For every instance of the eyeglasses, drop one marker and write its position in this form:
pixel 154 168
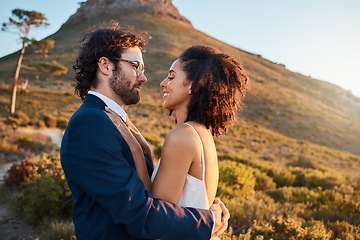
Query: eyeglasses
pixel 139 67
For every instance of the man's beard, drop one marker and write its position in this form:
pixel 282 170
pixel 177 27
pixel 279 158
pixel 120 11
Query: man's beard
pixel 121 86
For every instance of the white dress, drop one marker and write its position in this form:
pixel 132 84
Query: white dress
pixel 194 192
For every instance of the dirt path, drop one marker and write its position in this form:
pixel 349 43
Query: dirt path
pixel 54 134
pixel 12 228
pixel 15 229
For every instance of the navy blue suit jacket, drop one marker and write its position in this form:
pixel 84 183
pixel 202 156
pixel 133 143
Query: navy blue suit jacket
pixel 110 201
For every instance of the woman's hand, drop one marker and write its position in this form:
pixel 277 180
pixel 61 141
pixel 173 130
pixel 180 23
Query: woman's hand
pixel 135 147
pixel 143 143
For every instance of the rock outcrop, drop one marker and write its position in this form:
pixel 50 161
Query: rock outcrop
pixel 93 8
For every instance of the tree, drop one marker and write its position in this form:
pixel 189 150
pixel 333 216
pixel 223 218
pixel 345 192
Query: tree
pixel 21 22
pixel 53 68
pixel 41 48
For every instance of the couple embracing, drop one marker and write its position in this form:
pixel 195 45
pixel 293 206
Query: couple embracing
pixel 117 193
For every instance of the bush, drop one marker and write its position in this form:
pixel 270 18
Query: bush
pixel 313 178
pixel 235 179
pixel 256 206
pixel 46 193
pixel 50 121
pixel 12 121
pixel 6 145
pixel 291 228
pixel 156 141
pixel 263 181
pixel 18 119
pixel 157 152
pixel 22 117
pixel 18 173
pixel 344 231
pixel 61 122
pixel 31 144
pixel 283 177
pixel 59 230
pixel 40 124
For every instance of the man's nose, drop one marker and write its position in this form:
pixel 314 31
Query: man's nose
pixel 142 78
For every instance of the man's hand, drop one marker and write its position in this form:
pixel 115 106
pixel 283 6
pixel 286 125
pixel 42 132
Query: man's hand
pixel 222 216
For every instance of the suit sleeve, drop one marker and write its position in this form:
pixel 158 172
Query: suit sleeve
pixel 97 158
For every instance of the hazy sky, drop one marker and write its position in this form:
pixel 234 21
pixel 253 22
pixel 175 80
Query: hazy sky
pixel 317 38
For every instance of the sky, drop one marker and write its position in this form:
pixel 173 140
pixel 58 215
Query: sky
pixel 318 38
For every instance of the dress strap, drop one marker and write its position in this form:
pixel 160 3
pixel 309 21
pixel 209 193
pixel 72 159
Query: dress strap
pixel 202 150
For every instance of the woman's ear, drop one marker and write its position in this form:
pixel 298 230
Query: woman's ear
pixel 105 66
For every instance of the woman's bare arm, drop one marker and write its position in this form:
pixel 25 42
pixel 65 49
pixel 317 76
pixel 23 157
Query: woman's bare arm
pixel 176 157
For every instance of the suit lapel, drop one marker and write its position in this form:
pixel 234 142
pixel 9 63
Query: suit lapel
pixel 93 101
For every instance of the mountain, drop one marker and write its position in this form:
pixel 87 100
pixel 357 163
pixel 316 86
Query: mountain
pixel 289 168
pixel 284 102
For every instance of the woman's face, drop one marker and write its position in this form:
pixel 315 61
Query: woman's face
pixel 176 88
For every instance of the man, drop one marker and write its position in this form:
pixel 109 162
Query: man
pixel 110 201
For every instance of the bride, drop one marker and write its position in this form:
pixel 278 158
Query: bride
pixel 204 88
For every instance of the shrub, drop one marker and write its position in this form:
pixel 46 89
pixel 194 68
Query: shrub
pixel 313 178
pixel 153 139
pixel 235 179
pixel 256 206
pixel 18 173
pixel 59 230
pixel 40 123
pixel 11 121
pixel 22 117
pixel 31 144
pixel 283 177
pixel 61 122
pixel 7 146
pixel 45 194
pixel 328 197
pixel 291 228
pixel 18 119
pixel 157 152
pixel 344 230
pixel 316 230
pixel 263 181
pixel 50 121
pixel 228 235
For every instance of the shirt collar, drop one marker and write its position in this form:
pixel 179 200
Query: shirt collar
pixel 111 104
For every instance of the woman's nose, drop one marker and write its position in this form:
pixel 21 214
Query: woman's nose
pixel 163 83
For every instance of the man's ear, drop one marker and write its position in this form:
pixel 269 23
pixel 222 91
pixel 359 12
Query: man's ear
pixel 105 66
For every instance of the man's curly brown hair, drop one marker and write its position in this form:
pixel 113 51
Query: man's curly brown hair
pixel 218 84
pixel 110 42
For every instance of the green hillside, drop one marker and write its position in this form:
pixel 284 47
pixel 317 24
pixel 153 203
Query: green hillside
pixel 285 102
pixel 291 161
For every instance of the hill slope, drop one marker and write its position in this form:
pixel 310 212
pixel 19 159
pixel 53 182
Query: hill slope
pixel 287 168
pixel 285 102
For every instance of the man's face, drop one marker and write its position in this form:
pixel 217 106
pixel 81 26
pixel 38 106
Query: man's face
pixel 124 82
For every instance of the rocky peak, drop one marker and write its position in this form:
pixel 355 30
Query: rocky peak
pixel 93 8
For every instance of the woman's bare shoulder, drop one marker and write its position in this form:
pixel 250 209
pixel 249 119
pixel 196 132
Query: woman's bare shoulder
pixel 182 136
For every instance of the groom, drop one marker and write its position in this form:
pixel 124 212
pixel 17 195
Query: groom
pixel 110 201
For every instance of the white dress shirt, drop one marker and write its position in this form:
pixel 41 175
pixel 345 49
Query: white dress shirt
pixel 111 104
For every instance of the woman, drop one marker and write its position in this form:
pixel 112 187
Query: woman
pixel 204 88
